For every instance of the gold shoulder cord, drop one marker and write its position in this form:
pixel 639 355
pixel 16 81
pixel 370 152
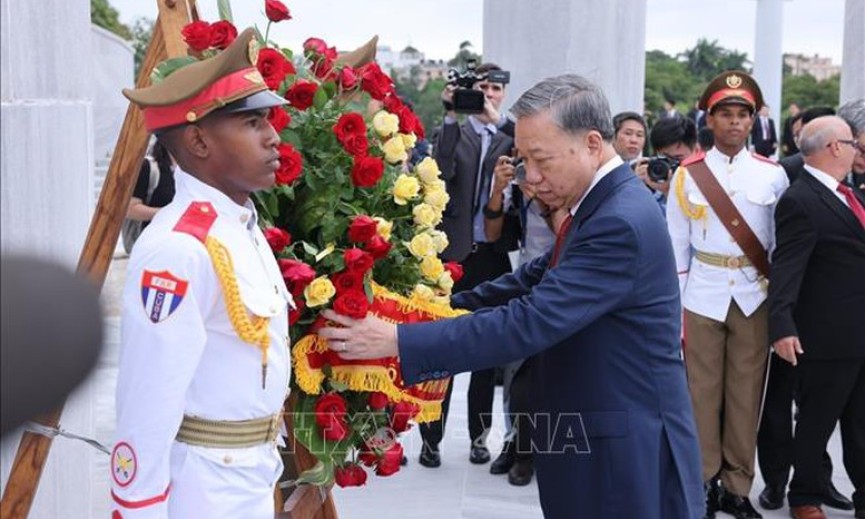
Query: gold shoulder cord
pixel 698 212
pixel 255 330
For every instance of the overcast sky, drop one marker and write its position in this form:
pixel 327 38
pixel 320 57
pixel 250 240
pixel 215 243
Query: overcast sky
pixel 437 27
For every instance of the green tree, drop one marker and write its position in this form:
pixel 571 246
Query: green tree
pixel 142 33
pixel 707 59
pixel 464 55
pixel 669 78
pixel 806 91
pixel 107 17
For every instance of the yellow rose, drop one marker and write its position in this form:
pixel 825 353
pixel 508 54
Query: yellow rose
pixel 405 188
pixel 446 282
pixel 427 170
pixel 439 239
pixel 319 291
pixel 431 267
pixel 426 215
pixel 441 300
pixel 437 198
pixel 385 123
pixel 408 140
pixel 422 245
pixel 394 150
pixel 383 227
pixel 423 292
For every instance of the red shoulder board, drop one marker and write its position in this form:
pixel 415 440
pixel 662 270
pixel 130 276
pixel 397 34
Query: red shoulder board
pixel 764 159
pixel 694 158
pixel 197 220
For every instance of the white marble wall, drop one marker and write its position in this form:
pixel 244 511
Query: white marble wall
pixel 603 40
pixel 46 171
pixel 853 72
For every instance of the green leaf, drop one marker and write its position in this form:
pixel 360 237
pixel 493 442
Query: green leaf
pixel 330 89
pixel 289 55
pixel 168 67
pixel 337 386
pixel 224 8
pixel 310 249
pixel 320 98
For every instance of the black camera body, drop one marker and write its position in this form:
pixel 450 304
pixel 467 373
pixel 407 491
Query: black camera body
pixel 661 168
pixel 467 100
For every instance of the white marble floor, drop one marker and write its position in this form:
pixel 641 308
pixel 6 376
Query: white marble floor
pixel 456 490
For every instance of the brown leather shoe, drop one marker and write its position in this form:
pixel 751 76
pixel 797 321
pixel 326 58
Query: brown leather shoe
pixel 807 512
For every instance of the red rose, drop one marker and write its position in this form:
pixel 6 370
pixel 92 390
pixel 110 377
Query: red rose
pixel 347 78
pixel 367 456
pixel 357 260
pixel 330 411
pixel 348 125
pixel 378 247
pixel 279 118
pixel 222 33
pixel 277 238
pixel 351 475
pixel 366 171
pixel 276 11
pixel 377 400
pixel 294 313
pixel 346 281
pixel 301 93
pixel 273 67
pixel 316 45
pixel 374 81
pixel 290 164
pixel 393 104
pixel 322 67
pixel 409 122
pixel 356 145
pixel 297 275
pixel 455 269
pixel 362 228
pixel 197 35
pixel 352 304
pixel 401 413
pixel 390 461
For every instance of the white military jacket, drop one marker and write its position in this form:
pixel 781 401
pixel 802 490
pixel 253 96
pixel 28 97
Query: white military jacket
pixel 754 185
pixel 179 351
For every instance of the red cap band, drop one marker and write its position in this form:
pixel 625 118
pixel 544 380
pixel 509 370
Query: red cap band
pixel 720 95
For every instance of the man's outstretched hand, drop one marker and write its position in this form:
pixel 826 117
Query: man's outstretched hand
pixel 368 338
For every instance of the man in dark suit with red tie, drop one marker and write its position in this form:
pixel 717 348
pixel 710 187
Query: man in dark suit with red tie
pixel 764 138
pixel 614 433
pixel 816 297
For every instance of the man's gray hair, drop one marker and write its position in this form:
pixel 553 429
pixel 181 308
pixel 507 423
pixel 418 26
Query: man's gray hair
pixel 575 104
pixel 854 113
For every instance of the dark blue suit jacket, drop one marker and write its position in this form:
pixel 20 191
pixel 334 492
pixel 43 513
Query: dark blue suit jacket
pixel 613 427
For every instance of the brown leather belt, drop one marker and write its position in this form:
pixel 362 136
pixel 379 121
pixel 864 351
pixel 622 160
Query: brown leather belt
pixel 229 434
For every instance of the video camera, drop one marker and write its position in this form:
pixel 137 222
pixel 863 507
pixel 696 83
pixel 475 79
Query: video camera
pixel 661 167
pixel 467 100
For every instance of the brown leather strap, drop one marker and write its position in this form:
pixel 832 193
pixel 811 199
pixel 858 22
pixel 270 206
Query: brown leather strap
pixel 730 216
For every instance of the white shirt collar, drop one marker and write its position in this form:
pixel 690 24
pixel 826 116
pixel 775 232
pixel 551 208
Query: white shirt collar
pixel 605 170
pixel 195 189
pixel 479 126
pixel 717 155
pixel 824 178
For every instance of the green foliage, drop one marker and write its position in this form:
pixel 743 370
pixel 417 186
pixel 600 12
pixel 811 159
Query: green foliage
pixel 142 33
pixel 806 91
pixel 426 102
pixel 707 59
pixel 669 78
pixel 464 55
pixel 107 17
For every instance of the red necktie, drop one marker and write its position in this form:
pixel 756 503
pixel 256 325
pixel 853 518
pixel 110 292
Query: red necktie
pixel 852 201
pixel 560 239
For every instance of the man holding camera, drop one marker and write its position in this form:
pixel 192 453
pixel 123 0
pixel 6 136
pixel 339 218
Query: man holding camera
pixel 722 224
pixel 466 155
pixel 673 139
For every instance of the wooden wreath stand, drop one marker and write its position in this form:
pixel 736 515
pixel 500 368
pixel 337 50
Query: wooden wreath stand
pixel 304 502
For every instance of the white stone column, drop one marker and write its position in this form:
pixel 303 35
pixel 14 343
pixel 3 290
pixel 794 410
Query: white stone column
pixel 603 40
pixel 46 169
pixel 768 55
pixel 853 60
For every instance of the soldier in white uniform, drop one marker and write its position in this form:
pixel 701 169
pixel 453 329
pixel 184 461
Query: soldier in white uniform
pixel 204 363
pixel 721 253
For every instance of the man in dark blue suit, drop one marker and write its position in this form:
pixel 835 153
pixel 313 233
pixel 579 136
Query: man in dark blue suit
pixel 614 434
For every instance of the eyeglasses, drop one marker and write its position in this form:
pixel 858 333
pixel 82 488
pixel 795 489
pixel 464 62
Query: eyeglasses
pixel 860 148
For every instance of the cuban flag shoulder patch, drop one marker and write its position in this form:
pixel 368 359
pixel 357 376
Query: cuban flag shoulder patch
pixel 161 293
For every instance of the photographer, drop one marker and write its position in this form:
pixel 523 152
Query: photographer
pixel 466 154
pixel 673 139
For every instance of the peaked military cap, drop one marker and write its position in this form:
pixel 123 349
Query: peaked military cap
pixel 732 87
pixel 228 82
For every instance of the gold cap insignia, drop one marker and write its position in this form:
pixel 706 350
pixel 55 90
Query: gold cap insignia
pixel 734 81
pixel 253 51
pixel 191 117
